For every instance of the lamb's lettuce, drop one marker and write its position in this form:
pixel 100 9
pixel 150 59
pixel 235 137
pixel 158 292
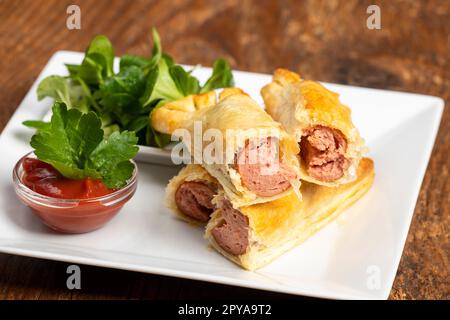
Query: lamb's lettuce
pixel 125 100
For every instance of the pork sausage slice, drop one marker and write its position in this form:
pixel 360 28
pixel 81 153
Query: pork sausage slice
pixel 261 170
pixel 194 199
pixel 232 233
pixel 323 149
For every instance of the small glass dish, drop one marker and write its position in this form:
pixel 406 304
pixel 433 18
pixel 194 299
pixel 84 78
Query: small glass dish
pixel 73 215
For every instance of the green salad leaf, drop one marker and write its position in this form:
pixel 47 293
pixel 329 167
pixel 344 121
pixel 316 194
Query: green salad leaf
pixel 55 87
pixel 221 77
pixel 37 124
pixel 160 87
pixel 157 52
pixel 129 60
pixel 185 82
pixel 120 93
pixel 58 88
pixel 75 145
pixel 124 100
pixel 98 62
pixel 73 69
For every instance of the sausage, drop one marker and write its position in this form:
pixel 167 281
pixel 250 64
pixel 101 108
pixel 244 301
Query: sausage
pixel 194 199
pixel 260 169
pixel 232 233
pixel 322 149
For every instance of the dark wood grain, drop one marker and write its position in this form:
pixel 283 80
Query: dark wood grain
pixel 323 40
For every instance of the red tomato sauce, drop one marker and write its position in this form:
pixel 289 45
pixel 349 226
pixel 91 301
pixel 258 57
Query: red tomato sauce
pixel 42 178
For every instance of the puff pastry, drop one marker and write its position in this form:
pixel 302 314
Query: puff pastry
pixel 245 127
pixel 255 235
pixel 171 116
pixel 331 146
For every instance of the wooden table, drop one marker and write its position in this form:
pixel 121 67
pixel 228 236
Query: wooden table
pixel 323 40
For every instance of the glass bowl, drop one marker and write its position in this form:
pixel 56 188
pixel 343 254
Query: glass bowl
pixel 73 215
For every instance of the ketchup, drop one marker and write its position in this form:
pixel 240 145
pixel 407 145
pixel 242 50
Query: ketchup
pixel 44 179
pixel 72 206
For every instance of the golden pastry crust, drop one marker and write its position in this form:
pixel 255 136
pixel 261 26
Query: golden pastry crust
pixel 171 116
pixel 278 226
pixel 237 111
pixel 284 101
pixel 302 104
pixel 229 92
pixel 192 172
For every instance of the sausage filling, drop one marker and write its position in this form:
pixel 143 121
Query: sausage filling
pixel 260 169
pixel 322 150
pixel 194 199
pixel 232 233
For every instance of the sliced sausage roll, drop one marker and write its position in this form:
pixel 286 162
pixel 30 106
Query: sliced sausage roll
pixel 330 145
pixel 190 194
pixel 256 160
pixel 255 235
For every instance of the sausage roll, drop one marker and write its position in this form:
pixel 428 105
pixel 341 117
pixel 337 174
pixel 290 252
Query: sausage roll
pixel 255 235
pixel 330 145
pixel 190 194
pixel 171 116
pixel 256 160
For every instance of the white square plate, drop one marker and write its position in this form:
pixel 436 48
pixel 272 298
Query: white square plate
pixel 356 256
